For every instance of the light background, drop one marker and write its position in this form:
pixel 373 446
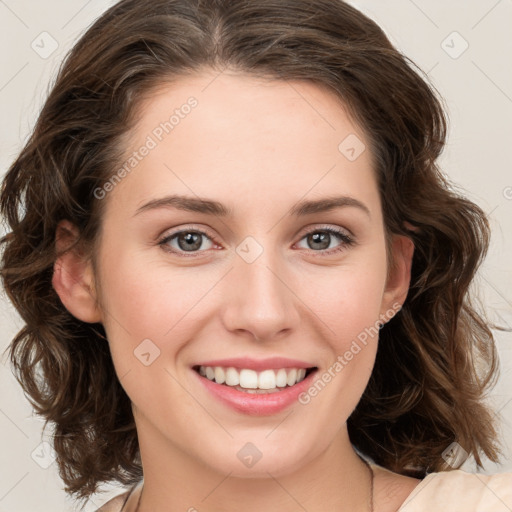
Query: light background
pixel 476 84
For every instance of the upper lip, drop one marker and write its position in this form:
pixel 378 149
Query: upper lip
pixel 257 364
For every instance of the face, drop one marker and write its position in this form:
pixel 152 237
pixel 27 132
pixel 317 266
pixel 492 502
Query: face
pixel 212 255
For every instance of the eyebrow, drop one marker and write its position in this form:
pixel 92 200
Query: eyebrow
pixel 210 207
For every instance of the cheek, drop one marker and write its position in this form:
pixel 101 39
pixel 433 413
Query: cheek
pixel 349 308
pixel 349 305
pixel 147 300
pixel 349 299
pixel 145 321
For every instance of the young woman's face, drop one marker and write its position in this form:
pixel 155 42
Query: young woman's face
pixel 212 253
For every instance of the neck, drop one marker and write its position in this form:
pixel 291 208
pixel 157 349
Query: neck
pixel 336 479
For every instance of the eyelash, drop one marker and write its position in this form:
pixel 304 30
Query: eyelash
pixel 347 241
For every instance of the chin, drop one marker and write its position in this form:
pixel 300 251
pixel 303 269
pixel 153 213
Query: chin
pixel 256 457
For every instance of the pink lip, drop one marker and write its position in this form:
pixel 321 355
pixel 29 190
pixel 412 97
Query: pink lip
pixel 270 363
pixel 255 404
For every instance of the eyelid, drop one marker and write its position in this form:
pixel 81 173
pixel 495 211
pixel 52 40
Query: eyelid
pixel 328 227
pixel 188 227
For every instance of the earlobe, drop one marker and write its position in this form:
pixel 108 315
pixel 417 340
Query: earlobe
pixel 73 277
pixel 399 276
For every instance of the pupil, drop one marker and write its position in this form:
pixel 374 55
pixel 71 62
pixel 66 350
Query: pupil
pixel 320 238
pixel 192 241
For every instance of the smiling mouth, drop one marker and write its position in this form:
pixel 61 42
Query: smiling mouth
pixel 254 382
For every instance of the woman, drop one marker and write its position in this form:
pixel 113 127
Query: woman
pixel 241 272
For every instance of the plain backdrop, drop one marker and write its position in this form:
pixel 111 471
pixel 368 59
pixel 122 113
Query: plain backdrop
pixel 464 47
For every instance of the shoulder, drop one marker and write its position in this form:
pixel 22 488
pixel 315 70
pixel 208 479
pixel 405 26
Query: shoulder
pixel 125 502
pixel 115 504
pixel 458 490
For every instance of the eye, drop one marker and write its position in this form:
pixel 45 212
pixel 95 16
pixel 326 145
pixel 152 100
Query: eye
pixel 187 240
pixel 192 241
pixel 319 240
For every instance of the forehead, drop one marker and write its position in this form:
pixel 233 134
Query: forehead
pixel 240 137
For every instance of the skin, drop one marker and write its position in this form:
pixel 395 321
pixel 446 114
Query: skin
pixel 258 147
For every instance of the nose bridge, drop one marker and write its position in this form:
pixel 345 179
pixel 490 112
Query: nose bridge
pixel 260 299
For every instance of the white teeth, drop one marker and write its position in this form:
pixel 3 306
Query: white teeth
pixel 248 379
pixel 251 380
pixel 281 378
pixel 232 377
pixel 267 379
pixel 292 377
pixel 220 376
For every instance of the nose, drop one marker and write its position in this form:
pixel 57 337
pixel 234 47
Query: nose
pixel 259 298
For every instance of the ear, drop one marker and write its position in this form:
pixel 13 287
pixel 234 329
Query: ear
pixel 399 275
pixel 73 276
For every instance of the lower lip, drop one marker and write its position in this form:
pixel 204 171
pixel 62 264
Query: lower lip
pixel 256 404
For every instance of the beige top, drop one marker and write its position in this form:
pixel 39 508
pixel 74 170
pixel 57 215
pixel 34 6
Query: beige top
pixel 446 491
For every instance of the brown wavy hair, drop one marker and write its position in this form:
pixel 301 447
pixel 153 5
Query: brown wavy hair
pixel 436 359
